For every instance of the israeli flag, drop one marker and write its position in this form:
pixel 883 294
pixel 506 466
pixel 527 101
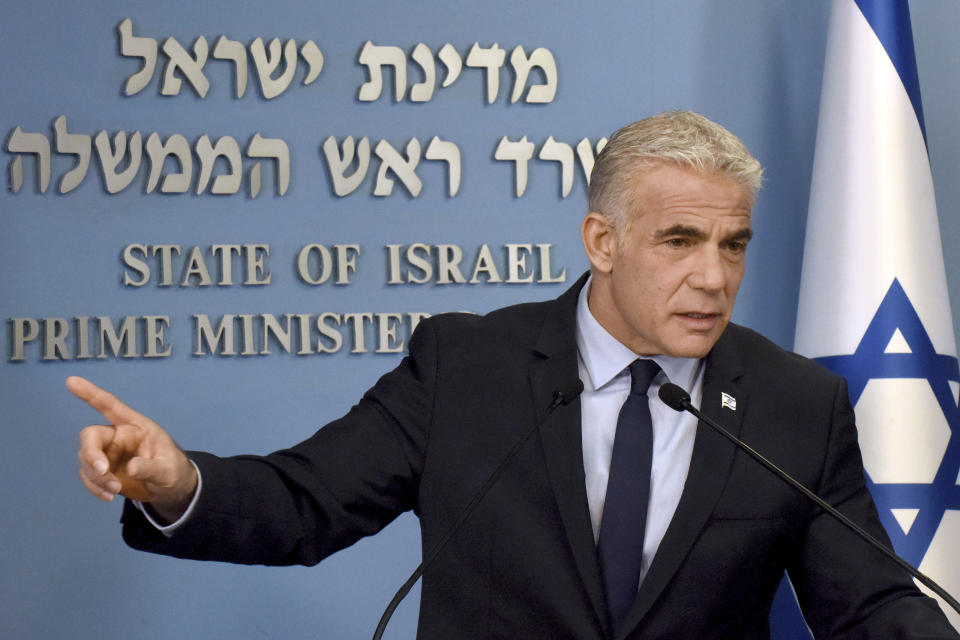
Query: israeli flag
pixel 873 294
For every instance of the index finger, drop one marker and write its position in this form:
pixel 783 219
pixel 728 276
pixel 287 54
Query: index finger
pixel 103 401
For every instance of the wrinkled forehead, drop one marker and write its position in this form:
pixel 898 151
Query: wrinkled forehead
pixel 676 188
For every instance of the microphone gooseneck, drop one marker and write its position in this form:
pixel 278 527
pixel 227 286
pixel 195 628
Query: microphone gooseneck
pixel 679 400
pixel 561 397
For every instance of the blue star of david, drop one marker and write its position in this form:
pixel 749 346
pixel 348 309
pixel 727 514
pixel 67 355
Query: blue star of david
pixel 870 361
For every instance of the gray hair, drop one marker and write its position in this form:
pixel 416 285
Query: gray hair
pixel 683 138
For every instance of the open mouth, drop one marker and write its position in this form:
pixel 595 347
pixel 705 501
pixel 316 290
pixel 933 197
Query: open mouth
pixel 700 321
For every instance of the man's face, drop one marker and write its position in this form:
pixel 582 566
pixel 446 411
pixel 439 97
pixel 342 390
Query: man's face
pixel 667 286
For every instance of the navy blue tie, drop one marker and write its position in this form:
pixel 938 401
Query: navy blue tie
pixel 620 547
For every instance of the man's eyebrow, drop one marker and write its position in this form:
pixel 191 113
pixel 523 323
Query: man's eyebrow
pixel 746 233
pixel 680 230
pixel 685 231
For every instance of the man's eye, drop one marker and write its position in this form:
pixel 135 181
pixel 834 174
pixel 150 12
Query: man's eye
pixel 737 246
pixel 678 243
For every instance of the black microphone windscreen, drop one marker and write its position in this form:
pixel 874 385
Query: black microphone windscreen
pixel 673 396
pixel 570 391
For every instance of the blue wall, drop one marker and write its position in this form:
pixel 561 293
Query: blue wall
pixel 751 65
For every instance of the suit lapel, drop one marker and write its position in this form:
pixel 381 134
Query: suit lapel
pixel 709 467
pixel 560 437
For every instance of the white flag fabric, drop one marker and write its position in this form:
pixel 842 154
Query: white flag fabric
pixel 873 294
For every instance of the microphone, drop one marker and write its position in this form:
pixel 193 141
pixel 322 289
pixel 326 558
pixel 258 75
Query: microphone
pixel 679 400
pixel 674 396
pixel 561 397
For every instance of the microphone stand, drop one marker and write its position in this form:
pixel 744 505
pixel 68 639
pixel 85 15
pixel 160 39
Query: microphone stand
pixel 559 398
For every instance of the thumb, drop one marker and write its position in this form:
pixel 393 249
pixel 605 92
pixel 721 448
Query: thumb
pixel 159 478
pixel 135 479
pixel 149 470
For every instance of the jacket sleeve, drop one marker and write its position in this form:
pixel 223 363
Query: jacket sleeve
pixel 299 505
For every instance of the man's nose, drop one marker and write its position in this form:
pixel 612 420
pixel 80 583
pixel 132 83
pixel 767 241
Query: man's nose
pixel 708 272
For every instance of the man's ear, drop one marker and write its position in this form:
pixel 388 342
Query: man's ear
pixel 599 241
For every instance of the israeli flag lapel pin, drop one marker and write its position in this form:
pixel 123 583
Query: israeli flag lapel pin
pixel 727 401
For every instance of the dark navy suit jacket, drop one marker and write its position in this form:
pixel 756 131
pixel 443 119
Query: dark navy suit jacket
pixel 428 434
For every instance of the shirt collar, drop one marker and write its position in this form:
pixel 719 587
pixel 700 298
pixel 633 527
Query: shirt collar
pixel 604 357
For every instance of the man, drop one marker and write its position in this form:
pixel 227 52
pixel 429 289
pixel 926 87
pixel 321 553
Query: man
pixel 569 544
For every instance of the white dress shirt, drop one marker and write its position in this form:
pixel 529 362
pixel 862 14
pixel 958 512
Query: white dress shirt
pixel 604 362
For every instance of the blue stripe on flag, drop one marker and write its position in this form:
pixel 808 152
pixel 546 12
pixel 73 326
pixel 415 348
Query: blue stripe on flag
pixel 890 20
